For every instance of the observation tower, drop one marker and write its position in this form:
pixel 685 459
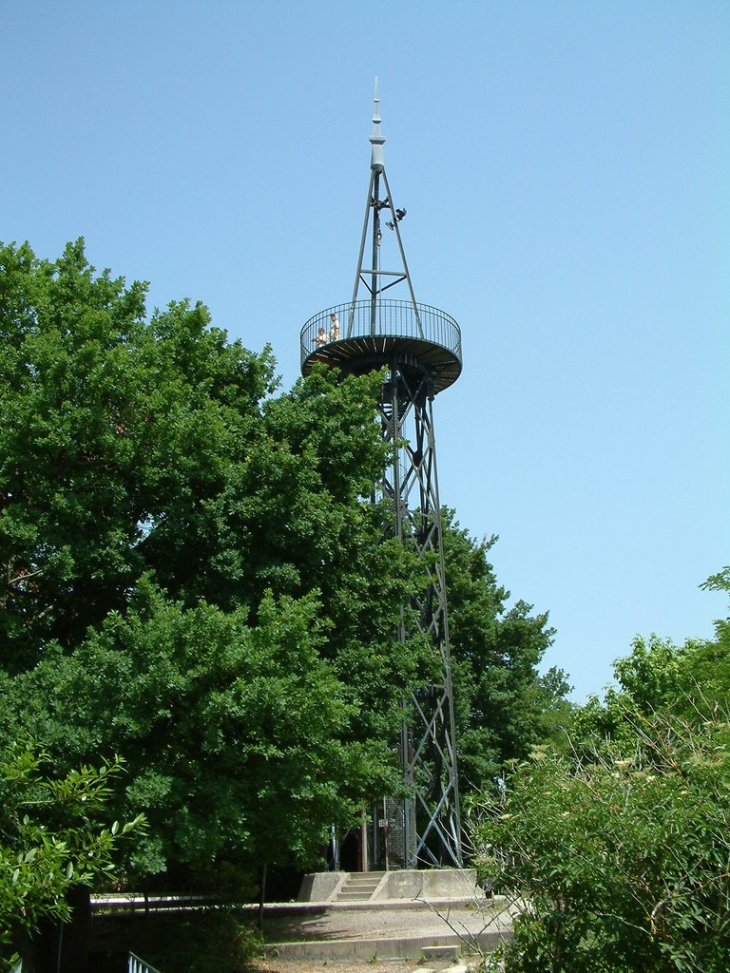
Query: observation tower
pixel 420 349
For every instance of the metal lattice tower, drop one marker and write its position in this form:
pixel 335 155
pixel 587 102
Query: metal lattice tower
pixel 420 347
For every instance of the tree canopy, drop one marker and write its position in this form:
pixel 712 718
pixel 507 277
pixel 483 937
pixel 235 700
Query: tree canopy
pixel 54 834
pixel 192 574
pixel 618 849
pixel 504 704
pixel 195 577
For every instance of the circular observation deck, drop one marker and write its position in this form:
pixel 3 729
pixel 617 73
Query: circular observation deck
pixel 417 338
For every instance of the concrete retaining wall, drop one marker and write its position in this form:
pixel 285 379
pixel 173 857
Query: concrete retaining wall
pixel 431 884
pixel 320 886
pixel 371 950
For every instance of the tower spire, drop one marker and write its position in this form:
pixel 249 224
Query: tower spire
pixel 375 278
pixel 377 140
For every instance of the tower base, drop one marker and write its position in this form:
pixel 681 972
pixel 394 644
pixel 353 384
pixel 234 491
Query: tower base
pixel 426 885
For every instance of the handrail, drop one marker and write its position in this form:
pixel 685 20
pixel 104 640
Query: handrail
pixel 137 965
pixel 384 319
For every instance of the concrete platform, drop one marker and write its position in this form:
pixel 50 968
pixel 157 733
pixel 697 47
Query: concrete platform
pixel 383 928
pixel 431 884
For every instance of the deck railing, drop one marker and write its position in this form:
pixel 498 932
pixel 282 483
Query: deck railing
pixel 393 319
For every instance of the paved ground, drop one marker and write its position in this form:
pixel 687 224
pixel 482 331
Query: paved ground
pixel 392 932
pixel 381 966
pixel 386 921
pixel 376 966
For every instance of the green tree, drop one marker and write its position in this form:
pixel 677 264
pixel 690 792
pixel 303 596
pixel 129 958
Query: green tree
pixel 620 861
pixel 692 681
pixel 191 573
pixel 238 738
pixel 618 852
pixel 55 834
pixel 504 705
pixel 194 575
pixel 114 434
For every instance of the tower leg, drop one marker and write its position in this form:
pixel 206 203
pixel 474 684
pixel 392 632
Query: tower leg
pixel 431 828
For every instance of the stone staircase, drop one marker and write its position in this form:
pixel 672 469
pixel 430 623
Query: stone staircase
pixel 358 887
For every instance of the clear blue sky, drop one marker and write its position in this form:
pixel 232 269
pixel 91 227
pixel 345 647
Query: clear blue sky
pixel 565 167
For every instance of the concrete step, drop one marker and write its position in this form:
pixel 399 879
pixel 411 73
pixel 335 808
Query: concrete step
pixel 442 948
pixel 348 890
pixel 441 954
pixel 359 887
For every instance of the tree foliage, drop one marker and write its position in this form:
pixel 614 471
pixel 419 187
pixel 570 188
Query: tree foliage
pixel 129 446
pixel 55 833
pixel 504 705
pixel 194 577
pixel 619 851
pixel 190 573
pixel 238 737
